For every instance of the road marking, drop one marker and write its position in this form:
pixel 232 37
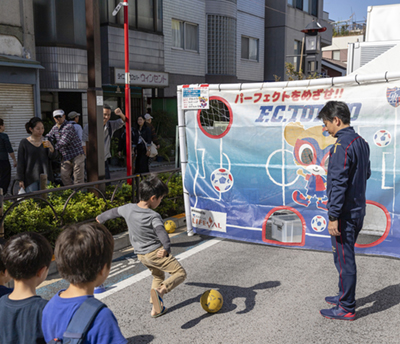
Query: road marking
pixel 119 271
pixel 116 265
pixel 142 275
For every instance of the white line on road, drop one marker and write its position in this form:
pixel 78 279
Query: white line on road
pixel 115 266
pixel 138 277
pixel 119 271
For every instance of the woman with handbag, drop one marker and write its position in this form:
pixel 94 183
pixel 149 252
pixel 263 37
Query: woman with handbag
pixel 143 147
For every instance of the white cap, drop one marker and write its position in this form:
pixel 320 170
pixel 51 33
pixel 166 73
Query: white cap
pixel 147 116
pixel 58 113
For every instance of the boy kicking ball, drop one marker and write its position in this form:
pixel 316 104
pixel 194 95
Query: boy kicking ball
pixel 150 240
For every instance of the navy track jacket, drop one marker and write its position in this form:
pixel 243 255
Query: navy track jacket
pixel 348 171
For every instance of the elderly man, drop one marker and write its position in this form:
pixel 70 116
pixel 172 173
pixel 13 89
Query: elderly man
pixel 109 129
pixel 66 141
pixel 73 117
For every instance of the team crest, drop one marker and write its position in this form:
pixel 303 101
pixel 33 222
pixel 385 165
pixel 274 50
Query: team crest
pixel 393 96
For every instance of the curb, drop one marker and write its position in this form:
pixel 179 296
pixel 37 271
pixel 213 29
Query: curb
pixel 122 240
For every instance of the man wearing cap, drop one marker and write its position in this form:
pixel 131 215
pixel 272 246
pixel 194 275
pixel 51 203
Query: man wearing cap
pixel 73 117
pixel 66 141
pixel 109 129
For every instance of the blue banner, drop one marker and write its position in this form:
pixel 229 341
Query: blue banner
pixel 257 165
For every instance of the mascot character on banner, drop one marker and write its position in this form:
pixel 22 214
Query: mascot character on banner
pixel 311 153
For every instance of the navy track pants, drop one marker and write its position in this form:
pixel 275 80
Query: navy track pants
pixel 344 258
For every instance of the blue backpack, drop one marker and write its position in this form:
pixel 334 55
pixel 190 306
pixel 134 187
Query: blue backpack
pixel 79 325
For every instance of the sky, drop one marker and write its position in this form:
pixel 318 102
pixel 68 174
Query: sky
pixel 343 9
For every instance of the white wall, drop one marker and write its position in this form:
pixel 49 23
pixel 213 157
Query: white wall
pixel 250 22
pixel 342 42
pixel 180 61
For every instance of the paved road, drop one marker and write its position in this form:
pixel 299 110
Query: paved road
pixel 271 295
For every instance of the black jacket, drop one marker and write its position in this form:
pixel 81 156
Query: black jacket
pixel 348 171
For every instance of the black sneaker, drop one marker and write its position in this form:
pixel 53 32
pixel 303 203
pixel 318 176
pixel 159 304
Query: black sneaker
pixel 332 300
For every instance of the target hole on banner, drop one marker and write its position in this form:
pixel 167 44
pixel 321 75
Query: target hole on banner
pixel 216 121
pixel 376 225
pixel 284 226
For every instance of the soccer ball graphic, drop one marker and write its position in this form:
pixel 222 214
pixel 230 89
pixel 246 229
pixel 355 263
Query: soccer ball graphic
pixel 318 223
pixel 382 138
pixel 222 180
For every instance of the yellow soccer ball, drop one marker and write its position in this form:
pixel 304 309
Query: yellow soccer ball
pixel 170 226
pixel 211 301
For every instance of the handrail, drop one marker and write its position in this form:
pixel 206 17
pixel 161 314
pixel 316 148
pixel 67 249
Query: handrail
pixel 38 195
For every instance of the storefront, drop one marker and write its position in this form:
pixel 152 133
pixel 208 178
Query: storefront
pixel 19 95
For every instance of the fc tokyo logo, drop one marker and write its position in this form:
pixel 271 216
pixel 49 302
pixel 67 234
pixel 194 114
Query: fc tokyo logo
pixel 221 180
pixel 393 96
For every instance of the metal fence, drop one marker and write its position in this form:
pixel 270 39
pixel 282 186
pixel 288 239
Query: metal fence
pixel 97 187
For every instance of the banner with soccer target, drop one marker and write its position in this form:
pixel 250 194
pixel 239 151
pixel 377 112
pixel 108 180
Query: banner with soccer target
pixel 257 163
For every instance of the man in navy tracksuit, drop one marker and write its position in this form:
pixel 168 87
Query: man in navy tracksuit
pixel 348 171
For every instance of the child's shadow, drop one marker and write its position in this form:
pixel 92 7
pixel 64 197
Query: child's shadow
pixel 228 293
pixel 381 300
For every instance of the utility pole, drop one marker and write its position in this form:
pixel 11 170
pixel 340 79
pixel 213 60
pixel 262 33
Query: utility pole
pixel 128 123
pixel 95 148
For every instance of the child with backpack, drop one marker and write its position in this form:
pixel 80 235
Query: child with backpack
pixel 27 258
pixel 150 240
pixel 83 256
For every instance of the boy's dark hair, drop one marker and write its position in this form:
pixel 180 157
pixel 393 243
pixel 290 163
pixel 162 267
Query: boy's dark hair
pixel 82 251
pixel 152 186
pixel 1 122
pixel 25 254
pixel 2 266
pixel 335 109
pixel 106 106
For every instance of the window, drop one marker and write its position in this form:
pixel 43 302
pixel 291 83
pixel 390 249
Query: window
pixel 142 14
pixel 309 6
pixel 61 22
pixel 297 55
pixel 336 55
pixel 221 45
pixel 249 48
pixel 185 35
pixel 299 4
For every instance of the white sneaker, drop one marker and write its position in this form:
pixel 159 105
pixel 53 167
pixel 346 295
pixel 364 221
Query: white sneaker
pixel 190 233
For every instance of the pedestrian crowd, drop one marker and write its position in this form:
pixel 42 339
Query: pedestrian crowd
pixel 68 141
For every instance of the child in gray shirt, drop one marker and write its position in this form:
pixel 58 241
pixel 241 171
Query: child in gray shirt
pixel 150 240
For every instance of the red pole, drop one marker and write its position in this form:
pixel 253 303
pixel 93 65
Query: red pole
pixel 127 96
